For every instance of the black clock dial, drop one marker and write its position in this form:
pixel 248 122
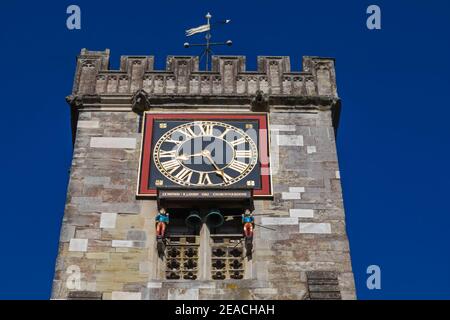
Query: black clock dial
pixel 205 153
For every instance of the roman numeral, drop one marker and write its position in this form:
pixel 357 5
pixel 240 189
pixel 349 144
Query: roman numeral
pixel 207 129
pixel 237 142
pixel 226 178
pixel 188 132
pixel 167 154
pixel 185 175
pixel 238 166
pixel 177 142
pixel 171 165
pixel 243 153
pixel 204 179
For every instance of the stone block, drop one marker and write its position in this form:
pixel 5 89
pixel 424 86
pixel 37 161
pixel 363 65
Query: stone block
pixel 182 294
pixel 265 291
pixel 96 180
pixel 85 200
pixel 88 124
pixel 297 189
pixel 325 295
pixel 314 227
pixel 323 288
pixel 282 127
pixel 113 142
pixel 108 220
pixel 123 295
pixel 154 294
pixel 67 233
pixel 275 235
pixel 144 267
pixel 154 284
pixel 311 149
pixel 348 295
pixel 98 255
pixel 139 244
pixel 84 295
pixel 301 213
pixel 278 221
pixel 122 244
pixel 137 235
pixel 78 245
pixel 122 207
pixel 291 196
pixel 88 233
pixel 289 140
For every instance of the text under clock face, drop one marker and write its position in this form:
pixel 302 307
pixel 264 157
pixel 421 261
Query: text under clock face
pixel 205 153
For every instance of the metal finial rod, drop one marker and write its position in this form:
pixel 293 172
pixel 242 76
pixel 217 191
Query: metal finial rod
pixel 207 52
pixel 208 37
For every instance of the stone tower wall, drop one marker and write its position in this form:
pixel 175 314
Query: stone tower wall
pixel 107 236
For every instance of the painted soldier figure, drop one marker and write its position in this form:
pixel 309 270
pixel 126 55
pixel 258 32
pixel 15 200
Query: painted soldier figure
pixel 162 220
pixel 248 221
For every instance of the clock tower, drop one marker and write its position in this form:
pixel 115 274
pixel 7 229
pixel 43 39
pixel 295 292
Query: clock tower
pixel 190 184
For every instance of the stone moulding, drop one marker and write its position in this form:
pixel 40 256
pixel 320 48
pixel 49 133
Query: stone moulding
pixel 141 101
pixel 137 86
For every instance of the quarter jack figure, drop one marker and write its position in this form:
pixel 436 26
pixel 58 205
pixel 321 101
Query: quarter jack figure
pixel 162 219
pixel 248 221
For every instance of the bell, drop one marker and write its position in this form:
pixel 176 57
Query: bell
pixel 214 219
pixel 193 220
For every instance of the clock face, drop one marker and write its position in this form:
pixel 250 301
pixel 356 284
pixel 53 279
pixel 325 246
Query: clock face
pixel 205 153
pixel 228 151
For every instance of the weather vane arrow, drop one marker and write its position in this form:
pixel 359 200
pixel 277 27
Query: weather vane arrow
pixel 207 52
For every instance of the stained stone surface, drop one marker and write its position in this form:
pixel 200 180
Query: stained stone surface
pixel 109 234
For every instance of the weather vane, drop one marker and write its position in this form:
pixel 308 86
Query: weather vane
pixel 206 28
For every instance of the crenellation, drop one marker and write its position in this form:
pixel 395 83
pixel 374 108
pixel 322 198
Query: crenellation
pixel 181 66
pixel 183 77
pixel 323 74
pixel 146 63
pixel 89 63
pixel 274 67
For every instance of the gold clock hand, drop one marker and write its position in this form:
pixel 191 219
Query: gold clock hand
pixel 207 155
pixel 184 157
pixel 218 171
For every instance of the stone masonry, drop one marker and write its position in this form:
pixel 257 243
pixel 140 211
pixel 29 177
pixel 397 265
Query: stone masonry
pixel 107 243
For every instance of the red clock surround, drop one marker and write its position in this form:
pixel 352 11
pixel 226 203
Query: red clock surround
pixel 143 189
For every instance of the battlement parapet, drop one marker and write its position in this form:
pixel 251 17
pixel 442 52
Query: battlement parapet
pixel 183 77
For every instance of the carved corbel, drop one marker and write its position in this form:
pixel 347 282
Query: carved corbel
pixel 74 101
pixel 260 102
pixel 140 101
pixel 77 101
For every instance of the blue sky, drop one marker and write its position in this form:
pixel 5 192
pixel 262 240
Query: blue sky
pixel 393 140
